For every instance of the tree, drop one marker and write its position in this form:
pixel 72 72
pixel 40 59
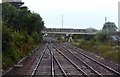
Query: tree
pixel 102 37
pixel 21 32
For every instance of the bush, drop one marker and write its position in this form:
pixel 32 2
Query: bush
pixel 101 45
pixel 20 34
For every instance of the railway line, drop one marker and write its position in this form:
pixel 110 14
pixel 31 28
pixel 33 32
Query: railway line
pixel 105 63
pixel 54 66
pixel 64 60
pixel 99 68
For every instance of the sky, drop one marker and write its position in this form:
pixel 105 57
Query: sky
pixel 78 14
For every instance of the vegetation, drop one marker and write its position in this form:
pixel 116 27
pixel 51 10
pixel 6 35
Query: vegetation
pixel 100 44
pixel 21 32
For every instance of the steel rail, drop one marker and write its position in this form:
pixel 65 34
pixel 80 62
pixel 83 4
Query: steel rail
pixel 62 70
pixel 107 67
pixel 79 69
pixel 83 62
pixel 52 63
pixel 38 63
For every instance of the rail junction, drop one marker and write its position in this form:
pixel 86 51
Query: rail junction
pixel 56 59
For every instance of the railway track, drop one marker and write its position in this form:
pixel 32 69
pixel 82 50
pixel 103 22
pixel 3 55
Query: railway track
pixel 96 56
pixel 98 67
pixel 63 60
pixel 48 65
pixel 39 61
pixel 67 61
pixel 56 65
pixel 69 67
pixel 57 59
pixel 88 69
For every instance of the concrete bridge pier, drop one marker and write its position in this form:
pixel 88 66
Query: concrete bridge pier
pixel 69 36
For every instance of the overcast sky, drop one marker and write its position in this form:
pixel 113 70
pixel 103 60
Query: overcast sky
pixel 76 13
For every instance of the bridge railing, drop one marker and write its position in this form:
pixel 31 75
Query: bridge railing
pixel 69 31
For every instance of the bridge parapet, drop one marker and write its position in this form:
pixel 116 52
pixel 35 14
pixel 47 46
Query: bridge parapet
pixel 69 31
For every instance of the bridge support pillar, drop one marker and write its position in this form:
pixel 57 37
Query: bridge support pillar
pixel 70 38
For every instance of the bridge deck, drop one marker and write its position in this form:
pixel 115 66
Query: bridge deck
pixel 69 31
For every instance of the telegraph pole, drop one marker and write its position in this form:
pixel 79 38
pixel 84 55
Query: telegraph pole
pixel 105 19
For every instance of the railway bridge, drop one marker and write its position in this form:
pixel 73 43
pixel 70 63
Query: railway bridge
pixel 69 31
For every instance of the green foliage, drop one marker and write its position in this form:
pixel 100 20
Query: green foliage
pixel 36 37
pixel 18 38
pixel 20 34
pixel 102 45
pixel 102 37
pixel 7 61
pixel 6 36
